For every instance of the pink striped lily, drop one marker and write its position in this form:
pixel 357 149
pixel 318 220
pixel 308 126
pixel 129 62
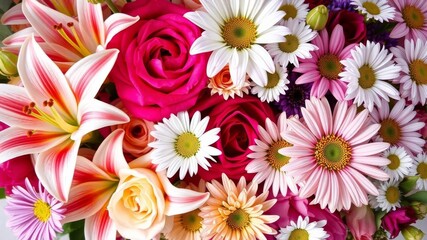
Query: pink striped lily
pixel 53 111
pixel 65 39
pixel 97 180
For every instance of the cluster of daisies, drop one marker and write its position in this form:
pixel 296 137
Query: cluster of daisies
pixel 350 128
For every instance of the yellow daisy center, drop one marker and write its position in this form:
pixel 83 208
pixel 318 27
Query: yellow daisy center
pixel 273 80
pixel 239 32
pixel 274 158
pixel 187 145
pixel 329 66
pixel 299 234
pixel 371 8
pixel 238 219
pixel 332 152
pixel 367 77
pixel 413 17
pixel 390 131
pixel 394 162
pixel 392 194
pixel 418 72
pixel 290 10
pixel 191 221
pixel 422 170
pixel 290 45
pixel 41 210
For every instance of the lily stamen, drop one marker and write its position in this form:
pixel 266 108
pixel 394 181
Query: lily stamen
pixel 76 43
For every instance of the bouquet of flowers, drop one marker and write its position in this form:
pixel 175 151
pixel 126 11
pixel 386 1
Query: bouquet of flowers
pixel 214 119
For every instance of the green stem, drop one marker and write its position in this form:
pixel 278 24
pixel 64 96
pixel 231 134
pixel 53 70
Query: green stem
pixel 112 6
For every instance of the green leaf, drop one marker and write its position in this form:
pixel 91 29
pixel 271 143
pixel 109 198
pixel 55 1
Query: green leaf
pixel 5 5
pixel 378 218
pixel 72 227
pixel 78 234
pixel 419 196
pixel 2 193
pixel 408 184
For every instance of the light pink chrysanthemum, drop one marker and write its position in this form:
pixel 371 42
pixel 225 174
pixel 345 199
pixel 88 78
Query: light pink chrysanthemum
pixel 34 215
pixel 323 68
pixel 413 79
pixel 331 157
pixel 411 18
pixel 267 161
pixel 399 127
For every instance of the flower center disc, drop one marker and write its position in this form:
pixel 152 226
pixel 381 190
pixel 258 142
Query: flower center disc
pixel 418 72
pixel 299 234
pixel 273 80
pixel 187 145
pixel 290 45
pixel 238 219
pixel 191 221
pixel 41 210
pixel 390 131
pixel 371 8
pixel 413 17
pixel 239 32
pixel 422 170
pixel 290 10
pixel 367 77
pixel 329 66
pixel 332 152
pixel 394 161
pixel 275 159
pixel 392 194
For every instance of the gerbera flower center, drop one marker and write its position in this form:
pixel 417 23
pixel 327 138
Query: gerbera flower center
pixel 274 158
pixel 418 71
pixel 273 80
pixel 239 32
pixel 367 77
pixel 238 219
pixel 191 221
pixel 72 37
pixel 394 162
pixel 290 45
pixel 413 17
pixel 371 8
pixel 41 210
pixel 392 194
pixel 390 131
pixel 290 10
pixel 422 170
pixel 329 66
pixel 299 234
pixel 187 145
pixel 332 152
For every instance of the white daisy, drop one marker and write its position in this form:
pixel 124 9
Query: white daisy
pixel 233 31
pixel 304 229
pixel 379 10
pixel 183 144
pixel 400 163
pixel 296 44
pixel 367 73
pixel 295 9
pixel 388 197
pixel 267 161
pixel 419 168
pixel 413 80
pixel 276 85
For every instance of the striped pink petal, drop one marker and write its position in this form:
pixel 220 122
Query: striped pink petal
pixel 14 16
pixel 100 226
pixel 116 23
pixel 91 19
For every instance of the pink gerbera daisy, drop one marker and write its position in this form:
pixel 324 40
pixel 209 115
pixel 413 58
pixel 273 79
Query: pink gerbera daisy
pixel 34 215
pixel 411 18
pixel 323 68
pixel 399 127
pixel 331 157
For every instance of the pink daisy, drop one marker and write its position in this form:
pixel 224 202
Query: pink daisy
pixel 323 68
pixel 411 18
pixel 34 215
pixel 399 127
pixel 331 157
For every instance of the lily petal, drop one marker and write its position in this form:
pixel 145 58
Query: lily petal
pixel 14 16
pixel 180 200
pixel 18 38
pixel 116 23
pixel 100 226
pixel 55 168
pixel 91 19
pixel 87 75
pixel 87 171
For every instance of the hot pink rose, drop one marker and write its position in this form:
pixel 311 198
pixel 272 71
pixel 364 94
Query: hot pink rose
pixel 396 220
pixel 238 120
pixel 353 24
pixel 361 222
pixel 155 75
pixel 290 207
pixel 14 172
